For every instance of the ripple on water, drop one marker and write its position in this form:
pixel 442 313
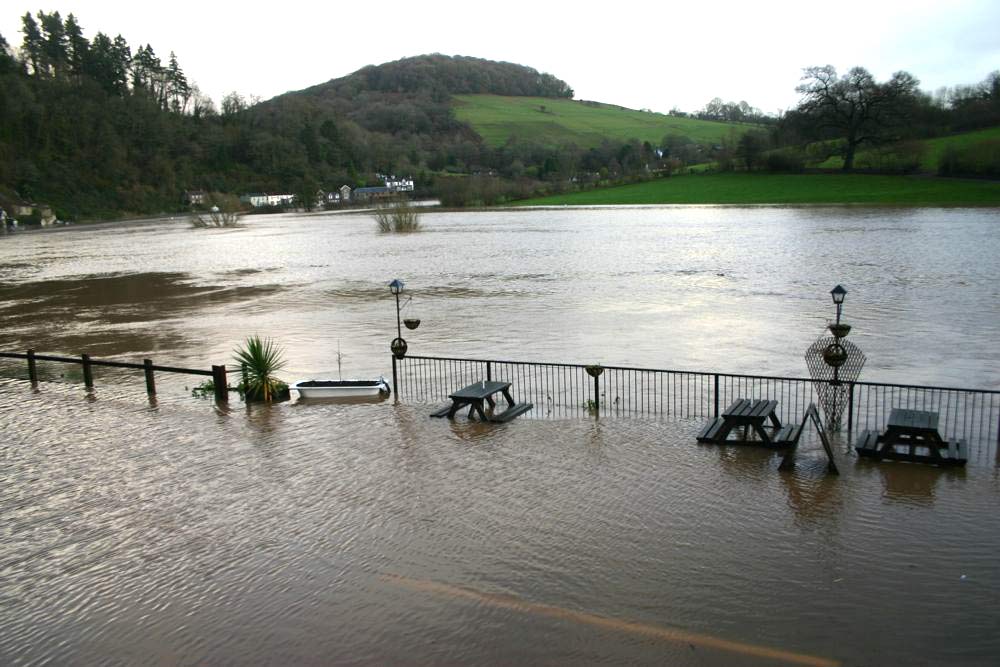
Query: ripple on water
pixel 183 533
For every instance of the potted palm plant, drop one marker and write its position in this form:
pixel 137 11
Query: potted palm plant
pixel 260 358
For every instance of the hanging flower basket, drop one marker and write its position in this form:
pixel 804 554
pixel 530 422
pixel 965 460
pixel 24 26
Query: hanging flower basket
pixel 839 330
pixel 594 370
pixel 412 322
pixel 835 355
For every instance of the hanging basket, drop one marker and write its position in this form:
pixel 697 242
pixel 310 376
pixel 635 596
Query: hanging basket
pixel 839 330
pixel 398 347
pixel 595 370
pixel 412 323
pixel 835 355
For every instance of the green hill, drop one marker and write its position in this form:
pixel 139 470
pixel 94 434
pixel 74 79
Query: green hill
pixel 561 121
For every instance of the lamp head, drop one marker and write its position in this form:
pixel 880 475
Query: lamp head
pixel 396 286
pixel 838 293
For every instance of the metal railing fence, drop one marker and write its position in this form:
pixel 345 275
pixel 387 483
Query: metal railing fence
pixel 567 390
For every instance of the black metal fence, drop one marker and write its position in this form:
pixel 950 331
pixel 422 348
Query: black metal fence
pixel 567 390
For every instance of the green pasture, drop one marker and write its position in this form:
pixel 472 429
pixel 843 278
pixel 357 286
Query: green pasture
pixel 756 188
pixel 586 124
pixel 934 149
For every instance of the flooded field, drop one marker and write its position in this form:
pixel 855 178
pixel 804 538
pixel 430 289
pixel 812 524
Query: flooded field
pixel 180 532
pixel 689 288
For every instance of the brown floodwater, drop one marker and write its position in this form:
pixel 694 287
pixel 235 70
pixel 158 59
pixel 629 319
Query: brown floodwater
pixel 371 534
pixel 179 532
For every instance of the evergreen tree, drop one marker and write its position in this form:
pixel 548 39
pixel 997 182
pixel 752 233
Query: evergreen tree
pixel 55 51
pixel 32 44
pixel 78 47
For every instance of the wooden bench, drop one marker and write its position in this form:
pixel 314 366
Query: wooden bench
pixel 787 435
pixel 711 429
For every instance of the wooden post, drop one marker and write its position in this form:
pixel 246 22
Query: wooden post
pixel 246 378
pixel 88 371
pixel 221 384
pixel 489 371
pixel 395 385
pixel 150 382
pixel 32 369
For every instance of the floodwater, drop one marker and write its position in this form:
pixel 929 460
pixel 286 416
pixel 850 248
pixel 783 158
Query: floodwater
pixel 178 532
pixel 693 288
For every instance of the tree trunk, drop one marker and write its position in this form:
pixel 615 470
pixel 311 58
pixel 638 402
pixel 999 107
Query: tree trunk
pixel 849 157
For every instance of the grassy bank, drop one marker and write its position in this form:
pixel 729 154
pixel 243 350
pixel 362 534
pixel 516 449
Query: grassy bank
pixel 742 188
pixel 556 121
pixel 933 149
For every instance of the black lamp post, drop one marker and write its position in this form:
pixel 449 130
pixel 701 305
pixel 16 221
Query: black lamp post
pixel 398 345
pixel 838 293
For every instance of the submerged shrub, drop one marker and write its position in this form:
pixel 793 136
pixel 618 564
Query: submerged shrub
pixel 397 215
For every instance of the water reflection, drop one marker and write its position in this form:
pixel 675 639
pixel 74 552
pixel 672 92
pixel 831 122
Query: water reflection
pixel 912 484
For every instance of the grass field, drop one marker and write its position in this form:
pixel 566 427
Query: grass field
pixel 742 188
pixel 497 118
pixel 935 148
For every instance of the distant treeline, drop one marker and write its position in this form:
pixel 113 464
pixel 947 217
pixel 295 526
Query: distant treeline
pixel 98 128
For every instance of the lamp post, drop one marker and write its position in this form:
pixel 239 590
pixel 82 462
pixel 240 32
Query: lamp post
pixel 398 345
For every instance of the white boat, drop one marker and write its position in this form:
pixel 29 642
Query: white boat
pixel 341 388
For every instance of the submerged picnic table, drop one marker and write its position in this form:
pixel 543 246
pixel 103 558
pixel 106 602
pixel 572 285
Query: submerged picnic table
pixel 479 393
pixel 746 414
pixel 913 432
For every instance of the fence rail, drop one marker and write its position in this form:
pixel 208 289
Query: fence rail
pixel 567 390
pixel 217 373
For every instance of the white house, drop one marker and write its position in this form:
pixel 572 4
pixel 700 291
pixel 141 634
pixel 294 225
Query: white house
pixel 259 199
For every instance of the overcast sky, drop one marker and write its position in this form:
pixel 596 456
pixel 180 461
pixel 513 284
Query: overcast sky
pixel 654 55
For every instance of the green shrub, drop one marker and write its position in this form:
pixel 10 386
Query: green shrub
pixel 980 159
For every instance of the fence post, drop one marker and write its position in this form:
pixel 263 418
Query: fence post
pixel 88 371
pixel 489 371
pixel 147 368
pixel 32 369
pixel 395 381
pixel 220 383
pixel 597 396
pixel 850 408
pixel 246 379
pixel 716 395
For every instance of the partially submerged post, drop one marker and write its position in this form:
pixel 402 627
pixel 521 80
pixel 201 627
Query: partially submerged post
pixel 88 371
pixel 147 369
pixel 595 372
pixel 220 384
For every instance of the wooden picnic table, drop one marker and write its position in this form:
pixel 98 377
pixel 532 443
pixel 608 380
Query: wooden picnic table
pixel 480 394
pixel 909 429
pixel 746 414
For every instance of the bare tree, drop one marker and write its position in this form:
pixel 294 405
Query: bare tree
pixel 855 107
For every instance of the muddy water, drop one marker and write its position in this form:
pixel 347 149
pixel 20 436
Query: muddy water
pixel 370 534
pixel 178 532
pixel 690 288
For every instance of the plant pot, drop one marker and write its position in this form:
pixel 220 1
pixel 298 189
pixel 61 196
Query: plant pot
pixel 412 322
pixel 594 370
pixel 283 393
